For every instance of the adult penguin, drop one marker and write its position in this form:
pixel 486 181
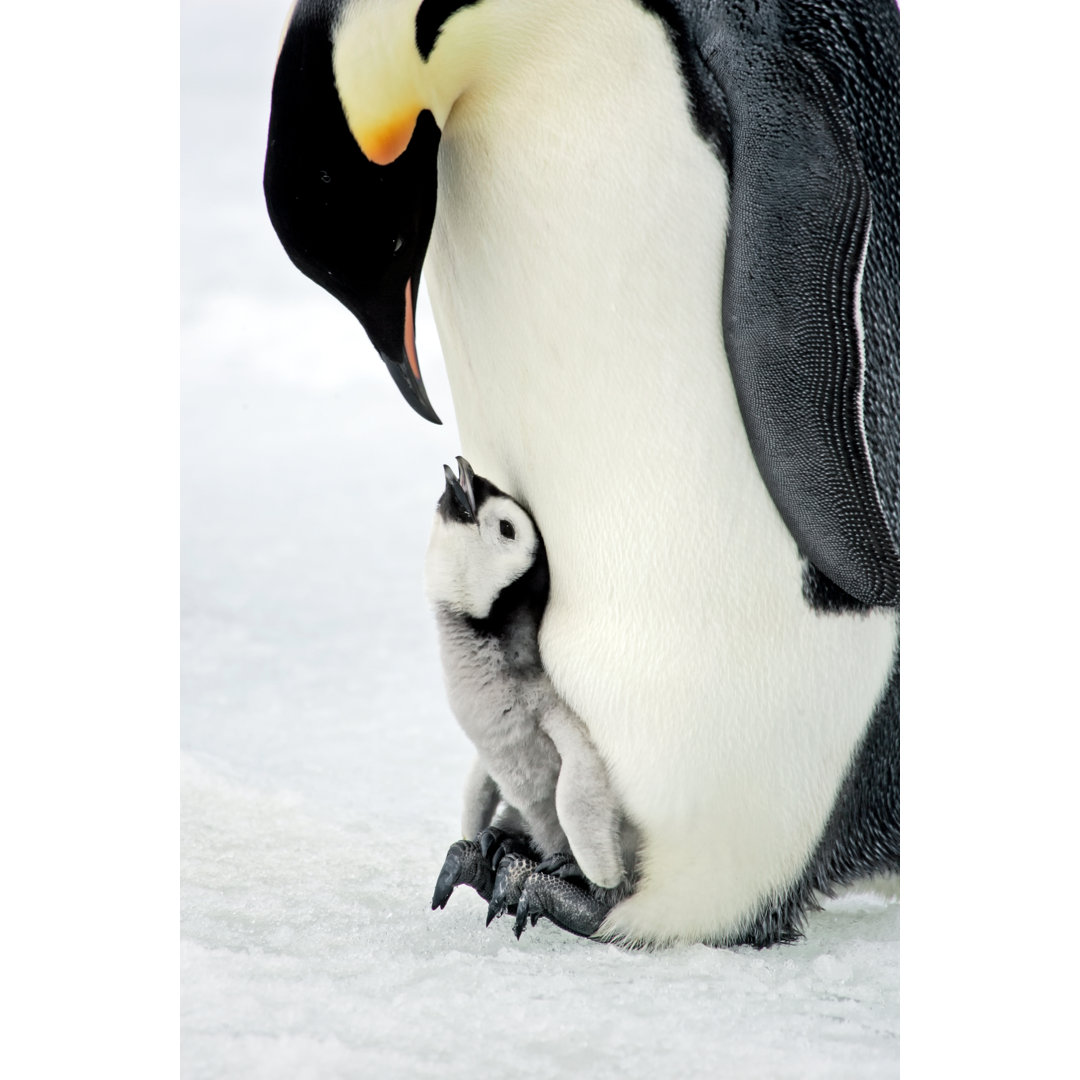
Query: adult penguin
pixel 662 251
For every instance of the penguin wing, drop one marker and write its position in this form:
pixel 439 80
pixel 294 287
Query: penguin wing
pixel 798 229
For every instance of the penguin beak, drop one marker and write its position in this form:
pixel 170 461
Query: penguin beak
pixel 459 502
pixel 465 481
pixel 401 361
pixel 357 228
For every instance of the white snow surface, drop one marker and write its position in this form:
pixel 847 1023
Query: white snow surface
pixel 322 770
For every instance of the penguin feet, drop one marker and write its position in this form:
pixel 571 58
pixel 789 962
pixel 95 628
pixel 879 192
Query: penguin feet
pixel 464 864
pixel 510 877
pixel 578 910
pixel 554 888
pixel 474 862
pixel 504 870
pixel 562 865
pixel 496 844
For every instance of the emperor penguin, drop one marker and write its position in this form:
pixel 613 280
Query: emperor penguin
pixel 537 775
pixel 661 244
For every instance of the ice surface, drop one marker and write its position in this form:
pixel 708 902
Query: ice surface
pixel 321 767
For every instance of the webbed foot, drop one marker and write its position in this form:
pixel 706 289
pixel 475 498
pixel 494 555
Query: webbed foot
pixel 581 911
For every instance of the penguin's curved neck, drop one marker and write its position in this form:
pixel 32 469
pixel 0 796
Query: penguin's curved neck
pixel 518 609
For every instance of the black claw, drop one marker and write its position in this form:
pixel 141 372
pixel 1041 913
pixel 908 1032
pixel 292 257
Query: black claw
pixel 510 879
pixel 497 906
pixel 526 907
pixel 463 866
pixel 443 888
pixel 519 922
pixel 529 907
pixel 492 842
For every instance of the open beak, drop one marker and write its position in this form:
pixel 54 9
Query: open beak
pixel 460 498
pixel 465 480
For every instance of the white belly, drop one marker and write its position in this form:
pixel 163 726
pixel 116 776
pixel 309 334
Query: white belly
pixel 575 271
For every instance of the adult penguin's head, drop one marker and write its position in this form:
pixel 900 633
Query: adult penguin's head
pixel 361 91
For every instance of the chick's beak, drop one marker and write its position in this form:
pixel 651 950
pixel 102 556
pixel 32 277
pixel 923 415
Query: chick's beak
pixel 459 499
pixel 465 481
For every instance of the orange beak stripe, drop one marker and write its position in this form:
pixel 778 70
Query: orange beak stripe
pixel 410 333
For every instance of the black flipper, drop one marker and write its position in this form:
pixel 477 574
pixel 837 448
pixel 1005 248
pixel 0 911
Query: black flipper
pixel 799 223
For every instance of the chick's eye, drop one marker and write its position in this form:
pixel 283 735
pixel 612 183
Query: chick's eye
pixel 506 529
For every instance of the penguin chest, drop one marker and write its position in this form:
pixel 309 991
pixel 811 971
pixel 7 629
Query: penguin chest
pixel 576 270
pixel 499 710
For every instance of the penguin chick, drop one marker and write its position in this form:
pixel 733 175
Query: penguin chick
pixel 487 579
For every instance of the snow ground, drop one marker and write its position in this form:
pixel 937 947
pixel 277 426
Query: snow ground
pixel 321 768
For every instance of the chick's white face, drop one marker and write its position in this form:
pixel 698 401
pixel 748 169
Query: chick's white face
pixel 469 564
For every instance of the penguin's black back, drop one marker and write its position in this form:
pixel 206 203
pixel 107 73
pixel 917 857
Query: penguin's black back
pixel 853 45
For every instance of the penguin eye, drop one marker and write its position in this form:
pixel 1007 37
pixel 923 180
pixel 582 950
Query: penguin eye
pixel 399 242
pixel 506 529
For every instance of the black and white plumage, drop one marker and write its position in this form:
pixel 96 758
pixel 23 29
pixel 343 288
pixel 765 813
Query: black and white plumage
pixel 661 242
pixel 537 775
